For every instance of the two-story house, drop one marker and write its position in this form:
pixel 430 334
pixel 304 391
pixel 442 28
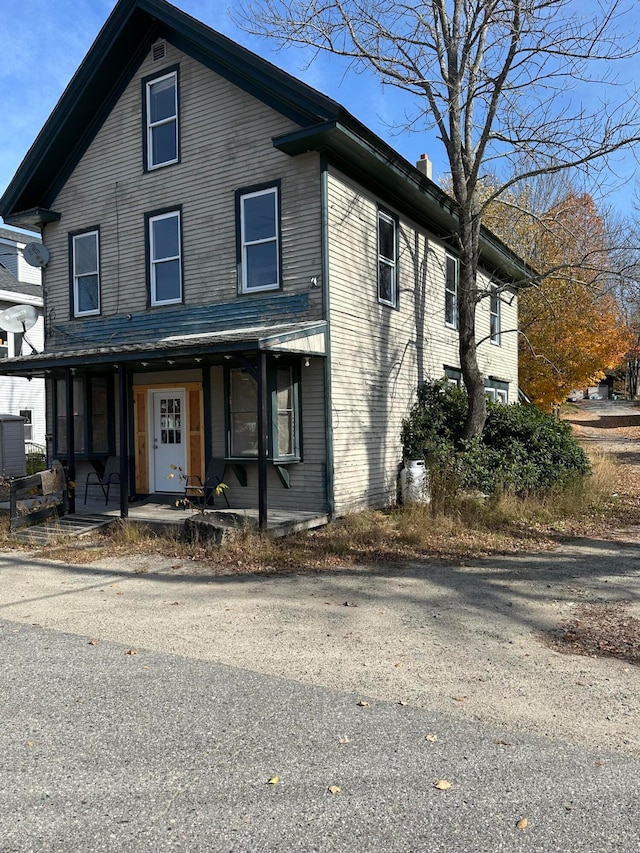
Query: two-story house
pixel 20 284
pixel 239 269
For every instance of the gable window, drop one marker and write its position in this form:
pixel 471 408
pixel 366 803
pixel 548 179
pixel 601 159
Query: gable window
pixel 161 115
pixel 259 239
pixel 494 317
pixel 387 260
pixel 451 292
pixel 165 258
pixel 85 263
pixel 242 414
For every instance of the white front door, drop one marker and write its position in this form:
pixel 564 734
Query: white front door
pixel 168 444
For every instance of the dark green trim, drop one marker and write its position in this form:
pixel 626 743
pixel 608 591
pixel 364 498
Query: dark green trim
pixel 380 168
pixel 32 220
pixel 72 300
pixel 147 253
pixel 87 393
pixel 283 475
pixel 328 409
pixel 394 217
pixel 164 72
pixel 239 195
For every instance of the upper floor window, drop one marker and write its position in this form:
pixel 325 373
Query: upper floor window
pixel 451 292
pixel 259 240
pixel 494 317
pixel 161 108
pixel 86 273
pixel 165 258
pixel 387 260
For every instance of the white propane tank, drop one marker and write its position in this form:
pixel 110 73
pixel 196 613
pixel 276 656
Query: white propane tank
pixel 414 482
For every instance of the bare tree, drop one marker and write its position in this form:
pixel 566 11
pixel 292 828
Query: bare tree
pixel 498 80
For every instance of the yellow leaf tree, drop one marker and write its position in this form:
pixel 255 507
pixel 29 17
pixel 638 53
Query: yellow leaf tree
pixel 571 329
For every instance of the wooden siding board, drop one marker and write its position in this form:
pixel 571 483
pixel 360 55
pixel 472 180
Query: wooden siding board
pixel 225 145
pixel 379 354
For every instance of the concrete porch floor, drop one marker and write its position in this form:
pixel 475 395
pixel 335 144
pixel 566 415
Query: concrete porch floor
pixel 160 512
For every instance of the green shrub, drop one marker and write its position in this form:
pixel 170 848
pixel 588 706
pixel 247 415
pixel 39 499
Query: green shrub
pixel 521 450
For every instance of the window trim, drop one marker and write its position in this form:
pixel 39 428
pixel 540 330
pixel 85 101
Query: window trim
pixel 495 317
pixel 451 324
pixel 87 381
pixel 274 188
pixel 272 414
pixel 453 376
pixel 147 146
pixel 74 306
pixel 28 422
pixel 496 390
pixel 385 216
pixel 150 218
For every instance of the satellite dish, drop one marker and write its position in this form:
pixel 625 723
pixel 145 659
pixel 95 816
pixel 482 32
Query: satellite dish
pixel 36 254
pixel 18 318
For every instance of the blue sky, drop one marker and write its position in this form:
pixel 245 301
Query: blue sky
pixel 42 42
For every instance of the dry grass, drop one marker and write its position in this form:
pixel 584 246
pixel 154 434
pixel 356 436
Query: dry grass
pixel 470 528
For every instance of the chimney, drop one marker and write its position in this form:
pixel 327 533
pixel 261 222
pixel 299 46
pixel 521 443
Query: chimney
pixel 424 165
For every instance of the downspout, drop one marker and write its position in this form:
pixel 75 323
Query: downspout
pixel 328 415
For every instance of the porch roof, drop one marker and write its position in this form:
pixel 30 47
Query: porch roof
pixel 305 339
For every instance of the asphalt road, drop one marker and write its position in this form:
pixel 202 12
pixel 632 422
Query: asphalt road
pixel 102 750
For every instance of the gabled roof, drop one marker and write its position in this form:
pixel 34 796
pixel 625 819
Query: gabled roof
pixel 325 126
pixel 10 284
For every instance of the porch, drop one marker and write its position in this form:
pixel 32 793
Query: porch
pixel 159 515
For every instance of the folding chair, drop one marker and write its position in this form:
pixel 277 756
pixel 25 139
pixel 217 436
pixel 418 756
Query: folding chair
pixel 111 475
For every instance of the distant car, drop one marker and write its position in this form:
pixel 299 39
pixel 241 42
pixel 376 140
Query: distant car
pixel 595 397
pixel 573 398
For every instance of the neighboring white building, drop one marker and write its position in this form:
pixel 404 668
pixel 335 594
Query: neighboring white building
pixel 20 284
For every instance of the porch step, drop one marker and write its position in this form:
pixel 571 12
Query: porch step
pixel 67 525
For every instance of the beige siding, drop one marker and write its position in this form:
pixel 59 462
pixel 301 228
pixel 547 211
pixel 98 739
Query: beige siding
pixel 379 355
pixel 225 145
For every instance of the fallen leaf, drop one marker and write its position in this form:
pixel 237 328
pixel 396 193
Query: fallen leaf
pixel 401 702
pixel 29 743
pixel 131 652
pixel 459 698
pixel 432 738
pixel 344 740
pixel 442 785
pixel 363 704
pixel 273 780
pixel 333 789
pixel 93 642
pixel 523 823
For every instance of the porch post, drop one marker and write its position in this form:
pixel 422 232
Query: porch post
pixel 263 440
pixel 124 441
pixel 71 447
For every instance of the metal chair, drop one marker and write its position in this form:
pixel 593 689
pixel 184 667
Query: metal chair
pixel 111 475
pixel 196 489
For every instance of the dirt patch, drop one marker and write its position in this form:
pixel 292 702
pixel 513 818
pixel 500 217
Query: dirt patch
pixel 599 630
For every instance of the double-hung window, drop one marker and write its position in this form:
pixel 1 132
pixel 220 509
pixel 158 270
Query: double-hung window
pixel 387 260
pixel 494 317
pixel 165 258
pixel 85 264
pixel 496 390
pixel 259 240
pixel 452 272
pixel 161 110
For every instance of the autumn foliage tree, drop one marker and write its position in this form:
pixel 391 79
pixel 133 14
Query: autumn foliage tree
pixel 571 327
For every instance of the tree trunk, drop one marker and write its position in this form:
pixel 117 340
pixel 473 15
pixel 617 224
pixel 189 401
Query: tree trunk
pixel 468 350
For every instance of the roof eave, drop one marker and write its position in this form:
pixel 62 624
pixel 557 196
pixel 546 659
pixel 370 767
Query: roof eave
pixel 400 184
